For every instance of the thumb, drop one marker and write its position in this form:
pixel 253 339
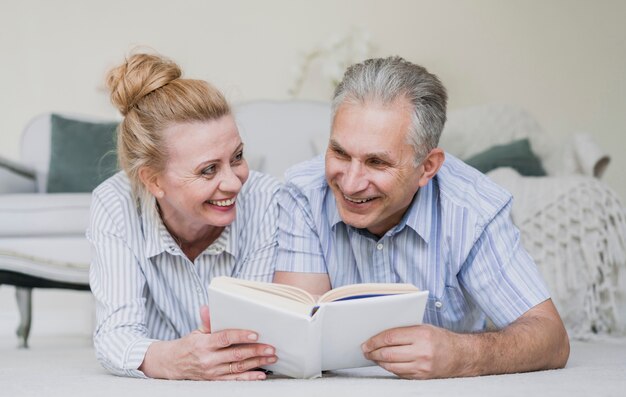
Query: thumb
pixel 205 326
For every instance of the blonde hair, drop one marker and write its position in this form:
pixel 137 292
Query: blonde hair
pixel 151 95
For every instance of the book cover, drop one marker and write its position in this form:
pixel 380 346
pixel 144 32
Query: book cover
pixel 311 337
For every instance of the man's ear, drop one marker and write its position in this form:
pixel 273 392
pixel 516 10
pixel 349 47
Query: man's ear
pixel 150 180
pixel 433 162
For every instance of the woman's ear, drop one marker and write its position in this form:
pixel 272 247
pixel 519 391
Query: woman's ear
pixel 432 163
pixel 150 180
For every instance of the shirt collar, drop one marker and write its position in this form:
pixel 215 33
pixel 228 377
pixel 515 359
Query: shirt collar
pixel 418 217
pixel 153 229
pixel 331 208
pixel 159 239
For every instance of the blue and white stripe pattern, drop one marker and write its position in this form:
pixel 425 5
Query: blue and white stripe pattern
pixel 456 240
pixel 145 287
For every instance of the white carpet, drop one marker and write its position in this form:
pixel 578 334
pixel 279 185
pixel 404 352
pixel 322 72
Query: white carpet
pixel 65 366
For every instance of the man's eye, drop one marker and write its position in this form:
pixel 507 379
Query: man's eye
pixel 376 162
pixel 340 153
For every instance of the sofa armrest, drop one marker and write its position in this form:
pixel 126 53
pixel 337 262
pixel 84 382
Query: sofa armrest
pixel 577 154
pixel 592 160
pixel 16 177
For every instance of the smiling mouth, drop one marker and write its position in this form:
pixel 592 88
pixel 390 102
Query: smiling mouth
pixel 222 203
pixel 358 200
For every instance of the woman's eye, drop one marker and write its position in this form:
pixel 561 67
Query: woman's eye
pixel 210 170
pixel 238 157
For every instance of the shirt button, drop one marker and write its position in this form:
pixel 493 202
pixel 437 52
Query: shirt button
pixel 379 246
pixel 199 290
pixel 438 304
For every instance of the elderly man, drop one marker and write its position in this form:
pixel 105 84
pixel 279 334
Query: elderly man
pixel 389 206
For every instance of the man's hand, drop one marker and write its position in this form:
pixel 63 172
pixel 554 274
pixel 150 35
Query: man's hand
pixel 417 352
pixel 202 355
pixel 536 340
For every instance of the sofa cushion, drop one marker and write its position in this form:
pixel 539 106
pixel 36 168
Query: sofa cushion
pixel 44 214
pixel 517 155
pixel 82 154
pixel 60 258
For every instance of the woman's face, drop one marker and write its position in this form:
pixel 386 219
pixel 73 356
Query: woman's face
pixel 204 173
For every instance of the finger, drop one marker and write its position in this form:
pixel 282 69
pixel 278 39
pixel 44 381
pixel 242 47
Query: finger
pixel 238 367
pixel 408 370
pixel 205 324
pixel 392 354
pixel 390 337
pixel 230 337
pixel 403 370
pixel 243 352
pixel 245 376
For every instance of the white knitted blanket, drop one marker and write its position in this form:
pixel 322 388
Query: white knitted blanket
pixel 574 227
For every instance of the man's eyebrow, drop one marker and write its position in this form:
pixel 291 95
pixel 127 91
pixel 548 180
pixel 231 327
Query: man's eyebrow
pixel 385 156
pixel 336 147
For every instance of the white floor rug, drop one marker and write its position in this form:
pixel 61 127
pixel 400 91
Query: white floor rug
pixel 65 366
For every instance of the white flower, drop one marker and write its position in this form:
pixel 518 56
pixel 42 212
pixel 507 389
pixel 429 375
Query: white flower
pixel 333 57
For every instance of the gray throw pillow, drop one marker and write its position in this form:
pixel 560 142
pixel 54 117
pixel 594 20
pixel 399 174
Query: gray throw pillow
pixel 82 154
pixel 517 155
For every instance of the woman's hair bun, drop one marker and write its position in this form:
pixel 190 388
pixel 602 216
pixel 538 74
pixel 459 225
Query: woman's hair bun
pixel 140 75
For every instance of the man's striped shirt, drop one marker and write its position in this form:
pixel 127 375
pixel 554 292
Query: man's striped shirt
pixel 455 240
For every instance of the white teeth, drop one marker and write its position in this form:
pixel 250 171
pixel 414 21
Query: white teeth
pixel 358 201
pixel 222 203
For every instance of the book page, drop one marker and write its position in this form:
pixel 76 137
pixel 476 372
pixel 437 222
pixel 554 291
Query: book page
pixel 279 295
pixel 347 324
pixel 354 291
pixel 296 337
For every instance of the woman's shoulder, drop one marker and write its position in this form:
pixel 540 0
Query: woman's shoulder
pixel 114 196
pixel 117 186
pixel 258 196
pixel 259 185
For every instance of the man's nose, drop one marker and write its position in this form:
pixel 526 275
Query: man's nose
pixel 354 180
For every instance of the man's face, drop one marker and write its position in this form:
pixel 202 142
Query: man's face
pixel 370 164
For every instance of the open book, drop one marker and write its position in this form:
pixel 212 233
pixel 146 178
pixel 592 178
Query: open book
pixel 312 335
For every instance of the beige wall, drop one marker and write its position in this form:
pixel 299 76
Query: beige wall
pixel 565 61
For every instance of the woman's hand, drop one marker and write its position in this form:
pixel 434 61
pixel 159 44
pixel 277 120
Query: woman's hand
pixel 225 355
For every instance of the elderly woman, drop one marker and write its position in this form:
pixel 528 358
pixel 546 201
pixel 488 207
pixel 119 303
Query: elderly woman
pixel 185 208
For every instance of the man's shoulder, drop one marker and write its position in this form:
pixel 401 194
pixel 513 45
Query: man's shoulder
pixel 307 177
pixel 463 186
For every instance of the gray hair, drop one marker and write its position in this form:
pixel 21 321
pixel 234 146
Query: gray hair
pixel 388 79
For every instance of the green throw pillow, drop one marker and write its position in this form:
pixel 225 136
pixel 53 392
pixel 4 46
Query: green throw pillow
pixel 82 154
pixel 516 155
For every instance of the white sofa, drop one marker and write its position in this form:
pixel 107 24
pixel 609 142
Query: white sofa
pixel 42 235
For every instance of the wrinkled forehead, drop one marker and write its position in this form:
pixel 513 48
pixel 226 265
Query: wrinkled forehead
pixel 202 140
pixel 372 128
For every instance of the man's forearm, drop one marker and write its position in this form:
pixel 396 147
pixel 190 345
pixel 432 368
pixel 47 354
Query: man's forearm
pixel 535 341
